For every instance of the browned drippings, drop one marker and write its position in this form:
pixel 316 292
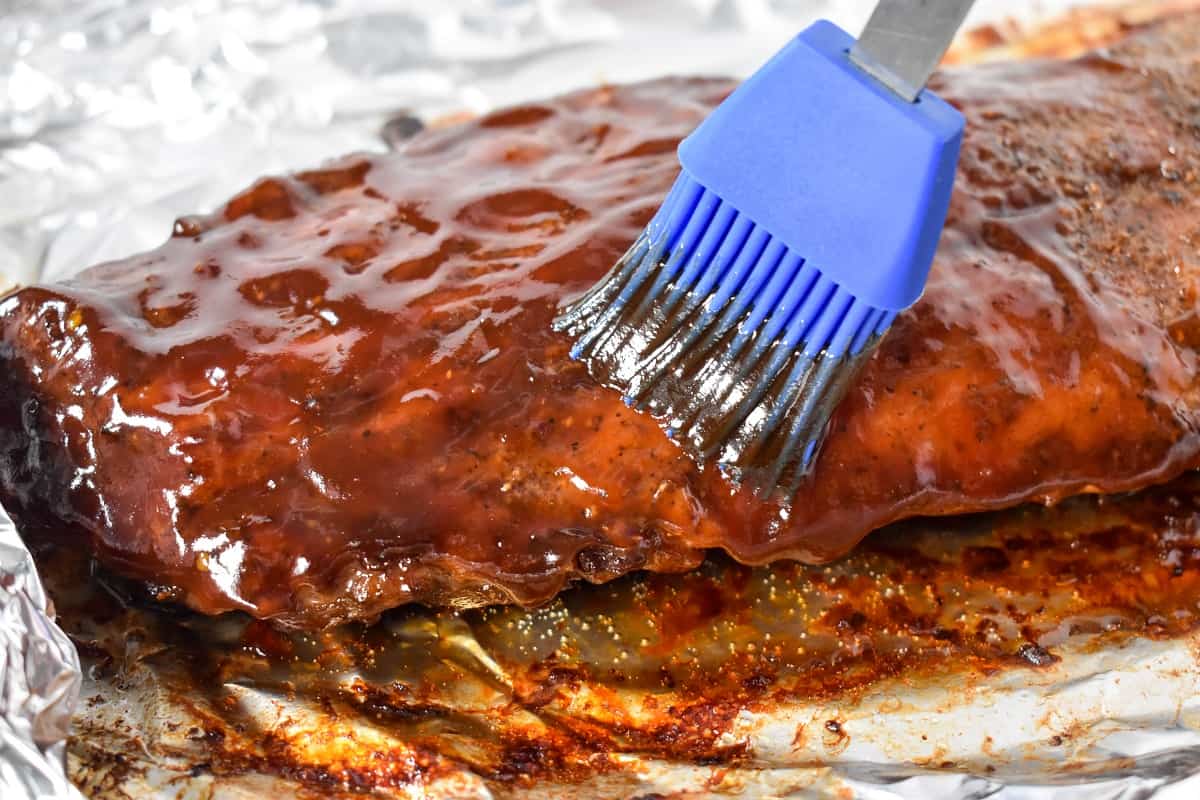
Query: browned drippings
pixel 660 665
pixel 341 393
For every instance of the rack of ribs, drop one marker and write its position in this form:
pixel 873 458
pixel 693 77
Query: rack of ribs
pixel 340 393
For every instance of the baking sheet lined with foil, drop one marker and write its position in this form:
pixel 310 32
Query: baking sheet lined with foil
pixel 1032 653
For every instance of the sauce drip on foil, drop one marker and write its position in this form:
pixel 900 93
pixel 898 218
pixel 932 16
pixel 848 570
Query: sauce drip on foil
pixel 341 392
pixel 944 615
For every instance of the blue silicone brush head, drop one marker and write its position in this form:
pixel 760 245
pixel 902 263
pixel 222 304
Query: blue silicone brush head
pixel 806 216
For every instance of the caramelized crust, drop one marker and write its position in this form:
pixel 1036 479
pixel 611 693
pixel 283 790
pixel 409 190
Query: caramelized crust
pixel 341 393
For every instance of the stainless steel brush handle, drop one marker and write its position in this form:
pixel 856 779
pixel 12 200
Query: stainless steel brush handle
pixel 905 39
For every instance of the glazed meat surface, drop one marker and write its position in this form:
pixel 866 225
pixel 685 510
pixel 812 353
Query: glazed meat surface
pixel 341 393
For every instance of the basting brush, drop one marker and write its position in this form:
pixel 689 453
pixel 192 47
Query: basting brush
pixel 805 217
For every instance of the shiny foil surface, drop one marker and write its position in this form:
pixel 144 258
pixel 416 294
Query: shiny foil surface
pixel 39 679
pixel 118 117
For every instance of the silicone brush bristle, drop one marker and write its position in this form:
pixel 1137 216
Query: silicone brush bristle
pixel 739 345
pixel 806 217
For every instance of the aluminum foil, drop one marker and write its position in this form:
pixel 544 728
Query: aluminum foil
pixel 116 117
pixel 39 680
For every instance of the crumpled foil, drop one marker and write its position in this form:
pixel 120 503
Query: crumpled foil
pixel 118 116
pixel 39 680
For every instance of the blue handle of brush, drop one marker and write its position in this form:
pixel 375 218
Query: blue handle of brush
pixel 834 165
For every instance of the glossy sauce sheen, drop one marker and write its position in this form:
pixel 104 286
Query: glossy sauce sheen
pixel 342 393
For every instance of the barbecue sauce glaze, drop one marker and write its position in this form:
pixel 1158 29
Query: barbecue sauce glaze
pixel 341 392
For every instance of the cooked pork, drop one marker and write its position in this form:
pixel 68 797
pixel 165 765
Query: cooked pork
pixel 341 392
